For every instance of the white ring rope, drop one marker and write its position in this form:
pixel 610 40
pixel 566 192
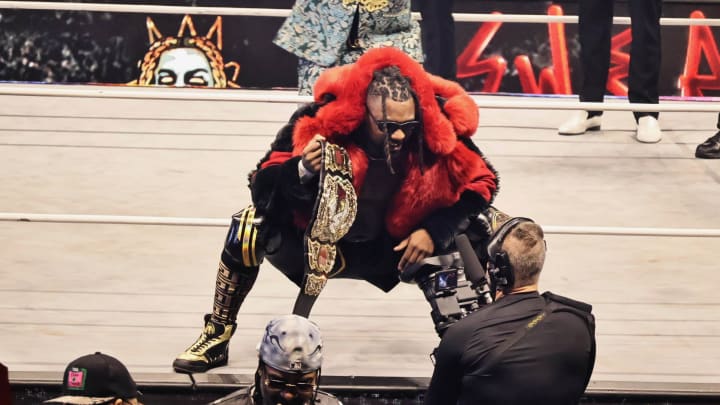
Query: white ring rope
pixel 270 12
pixel 215 222
pixel 157 93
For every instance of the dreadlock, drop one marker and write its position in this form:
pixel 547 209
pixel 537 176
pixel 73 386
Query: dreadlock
pixel 389 82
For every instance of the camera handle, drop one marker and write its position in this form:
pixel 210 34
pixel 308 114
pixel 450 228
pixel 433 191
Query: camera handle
pixel 473 269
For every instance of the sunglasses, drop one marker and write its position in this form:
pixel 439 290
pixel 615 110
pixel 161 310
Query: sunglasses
pixel 279 385
pixel 408 127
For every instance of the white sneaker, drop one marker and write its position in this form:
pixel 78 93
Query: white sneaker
pixel 648 130
pixel 579 123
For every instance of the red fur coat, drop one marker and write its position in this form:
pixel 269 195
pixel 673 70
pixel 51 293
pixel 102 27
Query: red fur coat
pixel 456 168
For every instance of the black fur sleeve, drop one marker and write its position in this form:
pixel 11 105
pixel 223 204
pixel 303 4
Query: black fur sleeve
pixel 471 145
pixel 276 189
pixel 444 224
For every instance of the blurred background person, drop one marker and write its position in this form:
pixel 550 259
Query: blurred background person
pixel 4 385
pixel 710 149
pixel 437 28
pixel 97 379
pixel 327 33
pixel 595 27
pixel 290 358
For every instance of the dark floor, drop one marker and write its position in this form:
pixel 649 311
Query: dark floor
pixel 27 395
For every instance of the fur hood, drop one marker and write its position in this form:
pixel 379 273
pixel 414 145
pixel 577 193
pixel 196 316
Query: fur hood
pixel 457 164
pixel 348 85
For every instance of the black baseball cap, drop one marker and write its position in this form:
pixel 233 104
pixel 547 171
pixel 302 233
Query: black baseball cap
pixel 96 379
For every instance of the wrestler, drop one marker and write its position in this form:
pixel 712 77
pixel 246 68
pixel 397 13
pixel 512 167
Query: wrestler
pixel 401 177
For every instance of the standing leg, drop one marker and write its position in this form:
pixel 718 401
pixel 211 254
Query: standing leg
pixel 644 74
pixel 238 269
pixel 710 149
pixel 594 29
pixel 595 37
pixel 438 37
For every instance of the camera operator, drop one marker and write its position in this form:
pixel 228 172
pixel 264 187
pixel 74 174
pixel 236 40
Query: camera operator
pixel 524 347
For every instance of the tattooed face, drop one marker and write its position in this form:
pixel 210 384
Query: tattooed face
pixel 391 109
pixel 398 120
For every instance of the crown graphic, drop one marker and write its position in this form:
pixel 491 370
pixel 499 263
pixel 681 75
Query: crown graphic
pixel 211 44
pixel 186 24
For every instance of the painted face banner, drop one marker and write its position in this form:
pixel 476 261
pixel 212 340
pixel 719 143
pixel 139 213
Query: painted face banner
pixel 186 59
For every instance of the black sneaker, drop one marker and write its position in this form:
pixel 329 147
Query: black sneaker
pixel 709 149
pixel 210 350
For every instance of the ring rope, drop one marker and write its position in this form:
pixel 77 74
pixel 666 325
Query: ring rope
pixel 215 222
pixel 270 12
pixel 155 93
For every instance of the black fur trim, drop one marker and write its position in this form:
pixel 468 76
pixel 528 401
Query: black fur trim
pixel 444 224
pixel 295 193
pixel 284 139
pixel 277 191
pixel 471 145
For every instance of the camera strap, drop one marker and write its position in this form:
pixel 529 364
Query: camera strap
pixel 493 358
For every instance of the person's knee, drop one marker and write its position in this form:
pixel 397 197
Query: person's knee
pixel 242 245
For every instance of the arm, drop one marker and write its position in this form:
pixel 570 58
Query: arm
pixel 437 231
pixel 444 224
pixel 446 381
pixel 282 180
pixel 476 182
pixel 276 184
pixel 476 195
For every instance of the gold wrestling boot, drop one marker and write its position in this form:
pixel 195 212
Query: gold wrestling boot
pixel 237 271
pixel 210 350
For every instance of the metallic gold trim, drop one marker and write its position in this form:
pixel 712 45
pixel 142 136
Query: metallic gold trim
pixel 242 238
pixel 321 256
pixel 315 284
pixel 337 160
pixel 343 263
pixel 247 234
pixel 225 269
pixel 198 351
pixel 369 5
pixel 253 244
pixel 337 210
pixel 497 218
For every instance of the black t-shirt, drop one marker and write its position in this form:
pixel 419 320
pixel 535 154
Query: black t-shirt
pixel 378 189
pixel 549 365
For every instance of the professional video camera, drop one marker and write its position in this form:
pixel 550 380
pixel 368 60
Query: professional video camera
pixel 454 284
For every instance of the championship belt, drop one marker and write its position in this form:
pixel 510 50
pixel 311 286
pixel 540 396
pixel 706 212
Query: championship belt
pixel 333 215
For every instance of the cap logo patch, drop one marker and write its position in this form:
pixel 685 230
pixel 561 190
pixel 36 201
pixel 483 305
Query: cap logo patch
pixel 76 379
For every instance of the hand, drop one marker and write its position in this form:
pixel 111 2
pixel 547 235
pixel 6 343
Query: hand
pixel 312 154
pixel 418 246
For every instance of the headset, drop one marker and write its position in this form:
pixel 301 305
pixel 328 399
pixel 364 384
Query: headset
pixel 500 271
